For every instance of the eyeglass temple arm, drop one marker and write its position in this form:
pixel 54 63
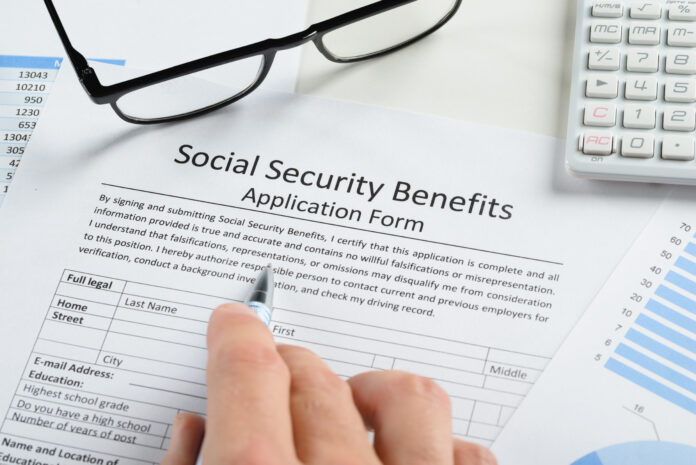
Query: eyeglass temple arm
pixel 84 72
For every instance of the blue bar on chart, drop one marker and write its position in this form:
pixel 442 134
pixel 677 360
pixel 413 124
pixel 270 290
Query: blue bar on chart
pixel 657 368
pixel 672 316
pixel 691 249
pixel 651 385
pixel 681 282
pixel 687 265
pixel 660 351
pixel 676 298
pixel 666 332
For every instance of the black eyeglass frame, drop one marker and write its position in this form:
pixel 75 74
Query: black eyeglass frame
pixel 101 94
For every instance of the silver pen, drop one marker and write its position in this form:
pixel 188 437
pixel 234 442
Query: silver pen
pixel 261 298
pixel 261 302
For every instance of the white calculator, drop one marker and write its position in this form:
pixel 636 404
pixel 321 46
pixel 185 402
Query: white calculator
pixel 633 96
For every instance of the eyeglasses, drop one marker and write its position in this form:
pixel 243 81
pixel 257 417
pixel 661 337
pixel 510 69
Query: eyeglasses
pixel 187 90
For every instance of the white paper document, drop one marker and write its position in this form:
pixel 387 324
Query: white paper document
pixel 622 389
pixel 455 251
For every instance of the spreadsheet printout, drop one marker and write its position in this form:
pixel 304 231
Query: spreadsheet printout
pixel 25 84
pixel 397 241
pixel 624 383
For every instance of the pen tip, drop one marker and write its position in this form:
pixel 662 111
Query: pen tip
pixel 270 266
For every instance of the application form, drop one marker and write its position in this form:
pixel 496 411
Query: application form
pixel 455 251
pixel 622 389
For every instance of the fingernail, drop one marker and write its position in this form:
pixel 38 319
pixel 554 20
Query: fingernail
pixel 236 308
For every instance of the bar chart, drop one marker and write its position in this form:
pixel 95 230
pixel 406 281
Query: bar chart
pixel 622 388
pixel 658 352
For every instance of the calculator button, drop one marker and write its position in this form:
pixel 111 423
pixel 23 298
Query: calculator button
pixel 643 61
pixel 607 9
pixel 641 88
pixel 600 114
pixel 682 35
pixel 602 87
pixel 639 116
pixel 597 143
pixel 646 10
pixel 680 90
pixel 681 62
pixel 679 119
pixel 604 58
pixel 606 32
pixel 678 148
pixel 644 34
pixel 682 12
pixel 638 146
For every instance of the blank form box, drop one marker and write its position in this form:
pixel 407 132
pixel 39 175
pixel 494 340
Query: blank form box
pixel 338 354
pixel 505 415
pixel 73 334
pixel 486 413
pixel 460 427
pixel 481 431
pixel 342 369
pixel 181 338
pixel 508 385
pixel 481 394
pixel 462 408
pixel 383 363
pixel 165 444
pixel 440 373
pixel 71 352
pixel 517 359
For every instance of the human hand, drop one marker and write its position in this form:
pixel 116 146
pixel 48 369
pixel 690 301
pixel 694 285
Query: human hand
pixel 281 405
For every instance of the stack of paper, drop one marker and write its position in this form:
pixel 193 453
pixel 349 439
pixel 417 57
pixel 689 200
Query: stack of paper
pixel 455 251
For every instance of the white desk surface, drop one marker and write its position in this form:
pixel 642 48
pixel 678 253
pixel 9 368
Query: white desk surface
pixel 505 63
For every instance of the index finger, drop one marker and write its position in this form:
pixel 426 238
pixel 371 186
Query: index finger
pixel 248 392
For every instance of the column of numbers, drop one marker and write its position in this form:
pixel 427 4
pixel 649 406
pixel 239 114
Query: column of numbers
pixel 24 86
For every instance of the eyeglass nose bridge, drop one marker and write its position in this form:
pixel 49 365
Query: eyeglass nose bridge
pixel 297 39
